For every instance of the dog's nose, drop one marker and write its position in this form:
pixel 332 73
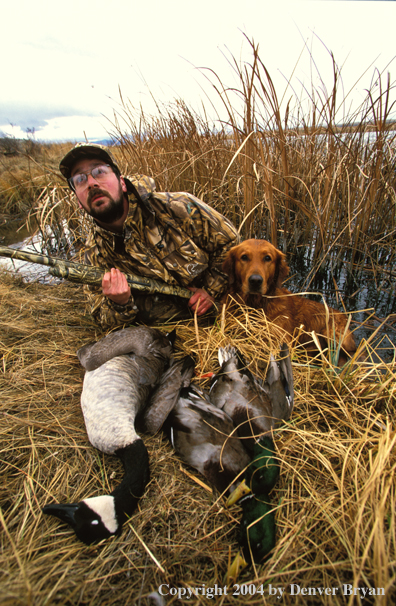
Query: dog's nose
pixel 255 282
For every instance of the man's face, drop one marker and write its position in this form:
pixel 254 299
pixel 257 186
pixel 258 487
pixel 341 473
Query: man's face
pixel 104 200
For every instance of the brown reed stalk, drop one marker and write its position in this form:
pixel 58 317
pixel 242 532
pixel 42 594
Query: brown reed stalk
pixel 334 500
pixel 315 184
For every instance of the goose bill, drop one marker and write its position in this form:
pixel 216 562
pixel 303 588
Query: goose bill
pixel 65 512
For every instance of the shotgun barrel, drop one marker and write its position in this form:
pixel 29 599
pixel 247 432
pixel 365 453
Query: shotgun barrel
pixel 89 274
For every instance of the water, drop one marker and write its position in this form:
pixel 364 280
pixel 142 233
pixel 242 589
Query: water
pixel 28 271
pixel 369 296
pixel 20 238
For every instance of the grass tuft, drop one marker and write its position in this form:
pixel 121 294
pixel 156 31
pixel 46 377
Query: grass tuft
pixel 334 501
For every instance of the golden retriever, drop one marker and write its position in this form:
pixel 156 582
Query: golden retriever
pixel 256 270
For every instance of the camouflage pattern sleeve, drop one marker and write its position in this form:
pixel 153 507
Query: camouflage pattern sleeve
pixel 210 231
pixel 107 313
pixel 104 311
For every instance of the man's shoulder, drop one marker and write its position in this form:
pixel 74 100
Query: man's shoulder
pixel 144 185
pixel 179 205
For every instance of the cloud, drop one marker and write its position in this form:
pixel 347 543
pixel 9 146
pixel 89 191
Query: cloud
pixel 61 128
pixel 62 64
pixel 74 128
pixel 38 116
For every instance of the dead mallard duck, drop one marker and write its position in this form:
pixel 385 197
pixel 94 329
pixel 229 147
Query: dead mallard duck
pixel 255 406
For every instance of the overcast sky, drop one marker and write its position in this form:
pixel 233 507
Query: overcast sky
pixel 63 63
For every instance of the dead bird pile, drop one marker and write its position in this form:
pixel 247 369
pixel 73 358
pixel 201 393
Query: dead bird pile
pixel 335 497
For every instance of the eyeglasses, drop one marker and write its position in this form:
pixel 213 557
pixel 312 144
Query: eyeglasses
pixel 99 173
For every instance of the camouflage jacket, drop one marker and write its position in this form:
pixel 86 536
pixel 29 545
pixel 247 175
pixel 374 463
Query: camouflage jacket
pixel 172 237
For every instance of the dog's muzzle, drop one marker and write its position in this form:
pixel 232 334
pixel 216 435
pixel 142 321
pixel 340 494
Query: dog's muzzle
pixel 255 282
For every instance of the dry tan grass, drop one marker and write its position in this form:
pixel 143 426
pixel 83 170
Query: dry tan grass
pixel 23 176
pixel 335 497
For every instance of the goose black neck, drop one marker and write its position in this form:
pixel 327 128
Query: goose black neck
pixel 135 461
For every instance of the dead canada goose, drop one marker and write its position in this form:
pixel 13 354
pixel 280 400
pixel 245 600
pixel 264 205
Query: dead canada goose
pixel 114 393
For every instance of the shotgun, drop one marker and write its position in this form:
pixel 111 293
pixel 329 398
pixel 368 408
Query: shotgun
pixel 89 274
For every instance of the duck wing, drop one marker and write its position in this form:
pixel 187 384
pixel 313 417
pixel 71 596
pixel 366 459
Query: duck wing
pixel 165 396
pixel 236 392
pixel 279 384
pixel 204 437
pixel 139 340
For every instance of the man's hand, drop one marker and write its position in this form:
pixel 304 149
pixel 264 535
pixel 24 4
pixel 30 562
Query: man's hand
pixel 116 287
pixel 201 301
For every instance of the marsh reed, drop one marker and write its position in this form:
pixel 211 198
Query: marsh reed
pixel 318 182
pixel 334 500
pixel 292 175
pixel 322 192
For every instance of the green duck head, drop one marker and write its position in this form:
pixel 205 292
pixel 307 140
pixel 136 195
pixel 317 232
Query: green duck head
pixel 257 529
pixel 262 473
pixel 256 534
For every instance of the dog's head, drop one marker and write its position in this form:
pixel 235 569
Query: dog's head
pixel 255 267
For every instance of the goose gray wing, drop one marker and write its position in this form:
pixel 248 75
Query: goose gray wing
pixel 139 340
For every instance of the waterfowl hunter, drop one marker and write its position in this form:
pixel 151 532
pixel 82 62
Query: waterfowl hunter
pixel 122 371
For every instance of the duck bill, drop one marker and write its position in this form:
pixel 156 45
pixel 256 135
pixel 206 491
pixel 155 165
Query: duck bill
pixel 65 512
pixel 236 568
pixel 240 491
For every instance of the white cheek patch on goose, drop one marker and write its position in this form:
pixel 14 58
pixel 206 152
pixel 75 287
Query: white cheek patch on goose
pixel 104 506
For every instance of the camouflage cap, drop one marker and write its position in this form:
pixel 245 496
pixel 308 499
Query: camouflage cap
pixel 85 150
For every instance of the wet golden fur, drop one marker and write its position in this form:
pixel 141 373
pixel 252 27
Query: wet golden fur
pixel 256 271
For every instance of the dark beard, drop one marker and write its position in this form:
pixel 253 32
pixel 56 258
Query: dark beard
pixel 112 212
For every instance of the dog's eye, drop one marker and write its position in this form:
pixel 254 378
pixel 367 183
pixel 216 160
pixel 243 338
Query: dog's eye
pixel 244 258
pixel 267 258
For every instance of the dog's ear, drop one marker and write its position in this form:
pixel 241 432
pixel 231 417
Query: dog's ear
pixel 282 267
pixel 228 267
